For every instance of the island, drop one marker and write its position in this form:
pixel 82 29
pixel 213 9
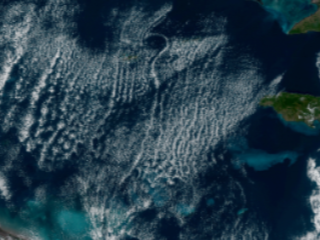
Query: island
pixel 294 20
pixel 294 107
pixel 242 211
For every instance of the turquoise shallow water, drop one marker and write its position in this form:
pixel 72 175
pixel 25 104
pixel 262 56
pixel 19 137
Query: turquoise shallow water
pixel 256 158
pixel 39 220
pixel 261 160
pixel 289 12
pixel 301 127
pixel 242 211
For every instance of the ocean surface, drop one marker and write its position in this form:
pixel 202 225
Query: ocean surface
pixel 140 120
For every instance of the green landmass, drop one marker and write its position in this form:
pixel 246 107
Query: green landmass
pixel 130 57
pixel 295 107
pixel 311 23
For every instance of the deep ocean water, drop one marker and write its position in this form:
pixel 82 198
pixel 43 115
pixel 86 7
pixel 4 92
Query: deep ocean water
pixel 139 120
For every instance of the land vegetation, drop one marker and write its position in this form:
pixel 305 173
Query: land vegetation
pixel 311 23
pixel 295 107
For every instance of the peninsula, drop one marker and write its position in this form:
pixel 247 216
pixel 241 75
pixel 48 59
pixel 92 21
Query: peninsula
pixel 293 20
pixel 295 107
pixel 311 23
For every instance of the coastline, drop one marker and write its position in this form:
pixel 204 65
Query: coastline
pixel 9 235
pixel 309 24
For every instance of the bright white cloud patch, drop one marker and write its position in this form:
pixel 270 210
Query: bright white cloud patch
pixel 74 99
pixel 314 200
pixel 4 189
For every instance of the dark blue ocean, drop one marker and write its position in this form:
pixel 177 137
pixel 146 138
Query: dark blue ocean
pixel 140 120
